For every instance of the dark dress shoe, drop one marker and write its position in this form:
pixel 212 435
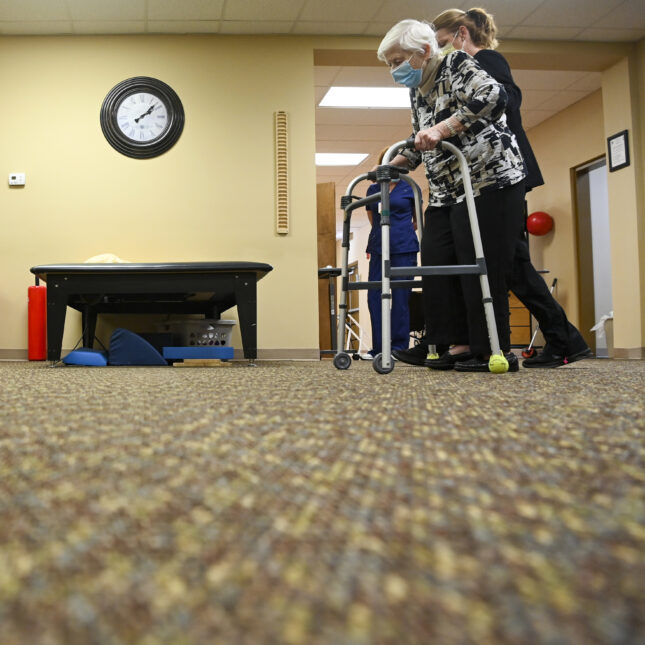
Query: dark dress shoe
pixel 480 364
pixel 416 355
pixel 447 360
pixel 413 356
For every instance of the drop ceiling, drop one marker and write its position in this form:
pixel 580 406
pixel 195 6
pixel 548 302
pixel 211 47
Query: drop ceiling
pixel 596 20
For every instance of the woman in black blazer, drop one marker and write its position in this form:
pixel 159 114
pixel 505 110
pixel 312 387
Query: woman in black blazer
pixel 474 32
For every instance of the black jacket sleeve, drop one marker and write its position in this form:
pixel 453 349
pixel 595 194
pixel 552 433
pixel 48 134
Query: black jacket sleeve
pixel 497 66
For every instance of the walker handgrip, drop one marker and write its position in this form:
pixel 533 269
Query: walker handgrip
pixel 409 143
pixel 396 148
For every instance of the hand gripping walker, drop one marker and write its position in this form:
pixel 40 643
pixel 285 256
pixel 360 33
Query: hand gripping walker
pixel 383 363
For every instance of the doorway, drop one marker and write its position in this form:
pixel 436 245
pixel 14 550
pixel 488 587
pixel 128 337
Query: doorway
pixel 594 252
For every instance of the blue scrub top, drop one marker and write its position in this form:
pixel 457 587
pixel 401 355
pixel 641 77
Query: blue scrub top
pixel 403 238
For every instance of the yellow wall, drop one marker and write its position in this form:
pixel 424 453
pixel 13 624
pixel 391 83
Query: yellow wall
pixel 620 110
pixel 209 198
pixel 560 143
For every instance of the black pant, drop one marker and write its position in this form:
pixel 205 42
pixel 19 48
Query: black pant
pixel 453 306
pixel 527 284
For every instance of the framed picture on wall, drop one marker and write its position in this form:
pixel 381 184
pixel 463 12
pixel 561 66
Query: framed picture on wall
pixel 618 151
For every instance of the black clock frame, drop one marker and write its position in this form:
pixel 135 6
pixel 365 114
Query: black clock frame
pixel 144 149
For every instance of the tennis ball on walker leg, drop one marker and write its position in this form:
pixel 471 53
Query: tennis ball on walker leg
pixel 497 364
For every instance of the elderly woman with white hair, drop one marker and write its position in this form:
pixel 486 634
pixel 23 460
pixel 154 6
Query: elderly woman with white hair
pixel 452 98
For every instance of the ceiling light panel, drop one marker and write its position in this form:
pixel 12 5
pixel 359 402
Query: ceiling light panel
pixel 339 158
pixel 367 98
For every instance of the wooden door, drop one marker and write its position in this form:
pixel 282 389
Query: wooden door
pixel 326 217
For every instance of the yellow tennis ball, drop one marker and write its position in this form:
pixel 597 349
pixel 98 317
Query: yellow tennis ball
pixel 432 357
pixel 498 364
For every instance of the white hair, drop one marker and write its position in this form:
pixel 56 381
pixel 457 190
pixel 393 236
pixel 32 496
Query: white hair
pixel 410 36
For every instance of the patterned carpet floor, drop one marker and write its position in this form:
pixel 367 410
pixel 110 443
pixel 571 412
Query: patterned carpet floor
pixel 295 504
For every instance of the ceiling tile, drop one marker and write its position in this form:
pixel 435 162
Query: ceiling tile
pixel 546 80
pixel 562 100
pixel 185 10
pixel 533 117
pixel 340 10
pixel 572 13
pixel 544 33
pixel 590 82
pixel 331 171
pixel 534 99
pixel 319 93
pixel 326 27
pixel 183 26
pixel 335 116
pixel 612 35
pixel 629 15
pixel 324 75
pixel 364 77
pixel 109 26
pixel 378 29
pixel 254 10
pixel 264 27
pixel 358 133
pixel 33 10
pixel 511 12
pixel 36 28
pixel 503 31
pixel 393 12
pixel 95 10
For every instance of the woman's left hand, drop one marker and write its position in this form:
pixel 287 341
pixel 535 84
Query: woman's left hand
pixel 427 139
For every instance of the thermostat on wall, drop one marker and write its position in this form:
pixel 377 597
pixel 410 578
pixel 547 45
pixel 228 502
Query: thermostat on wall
pixel 17 179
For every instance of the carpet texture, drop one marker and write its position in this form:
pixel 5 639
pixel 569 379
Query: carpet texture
pixel 292 503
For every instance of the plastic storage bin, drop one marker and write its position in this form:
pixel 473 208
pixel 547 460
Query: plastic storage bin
pixel 199 333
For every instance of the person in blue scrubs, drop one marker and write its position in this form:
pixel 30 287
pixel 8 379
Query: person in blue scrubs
pixel 404 247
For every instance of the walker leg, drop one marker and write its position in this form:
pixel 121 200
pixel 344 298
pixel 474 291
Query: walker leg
pixel 497 363
pixel 344 280
pixel 385 363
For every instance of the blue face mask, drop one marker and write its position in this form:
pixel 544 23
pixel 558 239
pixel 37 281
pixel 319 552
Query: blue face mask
pixel 406 75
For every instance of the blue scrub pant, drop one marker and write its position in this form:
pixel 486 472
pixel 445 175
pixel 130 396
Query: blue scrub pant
pixel 400 303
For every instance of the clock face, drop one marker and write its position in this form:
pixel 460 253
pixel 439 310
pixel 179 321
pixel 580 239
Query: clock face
pixel 142 117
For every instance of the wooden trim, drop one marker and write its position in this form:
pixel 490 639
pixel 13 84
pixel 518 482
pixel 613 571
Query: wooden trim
pixel 306 354
pixel 14 355
pixel 629 353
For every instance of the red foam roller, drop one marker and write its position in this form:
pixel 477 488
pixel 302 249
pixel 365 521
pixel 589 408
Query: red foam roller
pixel 37 323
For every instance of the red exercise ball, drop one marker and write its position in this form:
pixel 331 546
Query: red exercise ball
pixel 539 223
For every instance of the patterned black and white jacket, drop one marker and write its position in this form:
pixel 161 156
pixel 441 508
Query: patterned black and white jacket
pixel 465 91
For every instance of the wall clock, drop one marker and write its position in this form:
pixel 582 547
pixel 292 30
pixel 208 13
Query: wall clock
pixel 142 117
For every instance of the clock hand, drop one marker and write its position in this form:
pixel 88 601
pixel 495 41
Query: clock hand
pixel 152 107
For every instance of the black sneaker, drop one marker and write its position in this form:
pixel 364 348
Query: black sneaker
pixel 579 355
pixel 548 358
pixel 413 356
pixel 545 358
pixel 479 364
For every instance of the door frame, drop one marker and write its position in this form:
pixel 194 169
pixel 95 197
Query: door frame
pixel 584 251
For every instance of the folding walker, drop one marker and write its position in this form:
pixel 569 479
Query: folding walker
pixel 383 363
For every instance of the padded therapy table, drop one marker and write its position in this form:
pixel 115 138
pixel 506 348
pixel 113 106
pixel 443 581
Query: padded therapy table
pixel 207 288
